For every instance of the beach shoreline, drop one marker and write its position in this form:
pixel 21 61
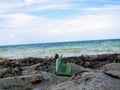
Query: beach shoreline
pixel 52 55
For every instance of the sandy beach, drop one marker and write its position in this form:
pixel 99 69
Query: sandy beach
pixel 90 72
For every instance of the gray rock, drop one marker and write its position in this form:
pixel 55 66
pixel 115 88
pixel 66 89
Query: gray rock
pixel 113 73
pixel 43 80
pixel 77 68
pixel 112 66
pixel 90 81
pixel 32 76
pixel 69 85
pixel 98 81
pixel 4 71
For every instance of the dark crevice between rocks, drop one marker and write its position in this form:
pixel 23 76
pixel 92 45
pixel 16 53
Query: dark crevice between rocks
pixel 111 75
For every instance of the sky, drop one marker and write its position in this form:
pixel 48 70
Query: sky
pixel 41 21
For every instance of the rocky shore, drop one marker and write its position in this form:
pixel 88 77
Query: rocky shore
pixel 90 72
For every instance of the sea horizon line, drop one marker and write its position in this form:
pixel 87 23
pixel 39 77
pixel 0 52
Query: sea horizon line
pixel 25 44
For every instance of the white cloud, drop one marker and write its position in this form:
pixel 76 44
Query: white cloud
pixel 23 28
pixel 29 2
pixel 103 8
pixel 86 23
pixel 31 5
pixel 10 5
pixel 15 20
pixel 53 7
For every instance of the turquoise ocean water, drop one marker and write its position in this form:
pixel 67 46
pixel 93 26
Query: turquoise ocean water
pixel 74 48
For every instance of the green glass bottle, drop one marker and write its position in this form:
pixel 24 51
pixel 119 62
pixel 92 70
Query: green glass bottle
pixel 63 67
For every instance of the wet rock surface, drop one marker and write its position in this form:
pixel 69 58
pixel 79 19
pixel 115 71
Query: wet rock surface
pixel 90 72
